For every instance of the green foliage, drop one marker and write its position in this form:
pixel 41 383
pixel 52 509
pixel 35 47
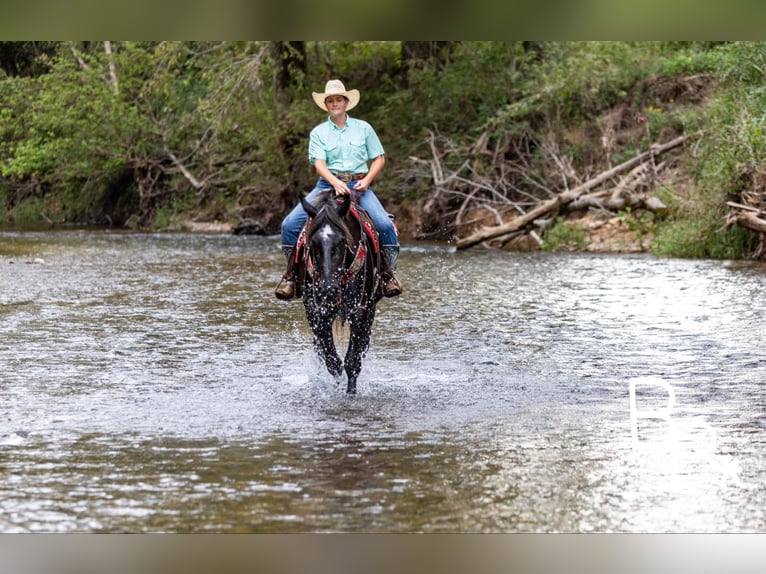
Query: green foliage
pixel 29 211
pixel 79 127
pixel 372 66
pixel 25 58
pixel 153 131
pixel 164 217
pixel 65 128
pixel 742 62
pixel 736 118
pixel 728 160
pixel 642 226
pixel 687 58
pixel 461 96
pixel 579 78
pixel 563 235
pixel 575 80
pixel 701 236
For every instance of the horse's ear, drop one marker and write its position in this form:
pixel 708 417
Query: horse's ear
pixel 308 208
pixel 345 204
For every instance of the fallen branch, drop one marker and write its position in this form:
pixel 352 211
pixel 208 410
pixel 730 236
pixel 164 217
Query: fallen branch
pixel 565 197
pixel 196 184
pixel 751 221
pixel 637 177
pixel 745 207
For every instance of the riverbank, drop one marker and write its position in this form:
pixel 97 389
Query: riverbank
pixel 592 233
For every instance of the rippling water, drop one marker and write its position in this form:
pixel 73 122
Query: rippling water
pixel 152 383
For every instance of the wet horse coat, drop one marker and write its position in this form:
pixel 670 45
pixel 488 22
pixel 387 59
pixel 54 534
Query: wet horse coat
pixel 341 252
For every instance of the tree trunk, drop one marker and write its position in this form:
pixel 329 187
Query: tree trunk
pixel 289 68
pixel 112 70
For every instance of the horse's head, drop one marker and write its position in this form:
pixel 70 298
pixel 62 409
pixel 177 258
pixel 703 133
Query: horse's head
pixel 328 240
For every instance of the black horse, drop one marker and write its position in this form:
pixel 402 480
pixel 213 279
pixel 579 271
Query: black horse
pixel 342 256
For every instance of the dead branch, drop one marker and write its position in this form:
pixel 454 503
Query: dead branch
pixel 77 57
pixel 640 175
pixel 556 202
pixel 196 184
pixel 459 216
pixel 750 220
pixel 745 207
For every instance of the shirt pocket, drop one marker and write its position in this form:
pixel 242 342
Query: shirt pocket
pixel 358 145
pixel 331 149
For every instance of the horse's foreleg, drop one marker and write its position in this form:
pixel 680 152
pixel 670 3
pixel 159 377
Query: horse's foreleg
pixel 357 347
pixel 325 348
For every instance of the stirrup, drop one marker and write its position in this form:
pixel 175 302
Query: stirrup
pixel 285 290
pixel 390 286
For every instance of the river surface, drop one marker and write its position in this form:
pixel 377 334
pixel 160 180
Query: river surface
pixel 151 383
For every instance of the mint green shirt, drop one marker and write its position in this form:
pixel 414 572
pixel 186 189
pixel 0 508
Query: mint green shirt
pixel 348 149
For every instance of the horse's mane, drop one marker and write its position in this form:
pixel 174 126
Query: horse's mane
pixel 329 215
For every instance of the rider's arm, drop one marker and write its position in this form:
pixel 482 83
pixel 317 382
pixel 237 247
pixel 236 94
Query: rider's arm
pixel 375 167
pixel 321 168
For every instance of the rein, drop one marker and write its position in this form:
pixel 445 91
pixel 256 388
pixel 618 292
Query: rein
pixel 356 264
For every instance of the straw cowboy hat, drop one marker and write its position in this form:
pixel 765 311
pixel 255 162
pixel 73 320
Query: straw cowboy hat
pixel 336 88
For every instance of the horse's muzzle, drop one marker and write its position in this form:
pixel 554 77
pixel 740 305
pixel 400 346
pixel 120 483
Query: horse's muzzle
pixel 328 292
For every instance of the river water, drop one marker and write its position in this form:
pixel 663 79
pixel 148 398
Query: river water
pixel 151 383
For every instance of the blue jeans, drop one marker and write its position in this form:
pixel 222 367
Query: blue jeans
pixel 293 222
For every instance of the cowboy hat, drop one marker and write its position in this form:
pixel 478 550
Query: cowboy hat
pixel 336 88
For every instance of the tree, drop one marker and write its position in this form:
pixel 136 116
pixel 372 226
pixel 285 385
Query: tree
pixel 26 58
pixel 289 72
pixel 431 53
pixel 289 68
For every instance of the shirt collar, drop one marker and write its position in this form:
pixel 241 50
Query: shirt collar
pixel 333 126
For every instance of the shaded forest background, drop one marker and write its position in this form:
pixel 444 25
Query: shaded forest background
pixel 160 135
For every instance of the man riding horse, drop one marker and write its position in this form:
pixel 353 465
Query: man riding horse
pixel 339 150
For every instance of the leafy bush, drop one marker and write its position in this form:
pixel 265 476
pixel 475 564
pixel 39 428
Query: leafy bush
pixel 701 236
pixel 563 235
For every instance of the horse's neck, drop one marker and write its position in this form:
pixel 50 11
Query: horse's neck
pixel 365 225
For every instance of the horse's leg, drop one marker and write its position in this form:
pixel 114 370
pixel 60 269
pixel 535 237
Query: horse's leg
pixel 357 347
pixel 325 348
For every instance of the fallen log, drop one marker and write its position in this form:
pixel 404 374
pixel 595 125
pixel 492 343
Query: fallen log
pixel 751 221
pixel 652 203
pixel 565 197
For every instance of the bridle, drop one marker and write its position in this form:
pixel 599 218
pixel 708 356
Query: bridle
pixel 349 272
pixel 357 263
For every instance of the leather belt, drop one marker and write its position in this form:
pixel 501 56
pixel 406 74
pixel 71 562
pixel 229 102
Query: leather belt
pixel 346 176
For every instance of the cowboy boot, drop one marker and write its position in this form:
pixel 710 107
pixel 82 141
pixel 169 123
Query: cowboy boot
pixel 389 284
pixel 286 288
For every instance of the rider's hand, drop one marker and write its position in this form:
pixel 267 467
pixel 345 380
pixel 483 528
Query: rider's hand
pixel 361 185
pixel 341 188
